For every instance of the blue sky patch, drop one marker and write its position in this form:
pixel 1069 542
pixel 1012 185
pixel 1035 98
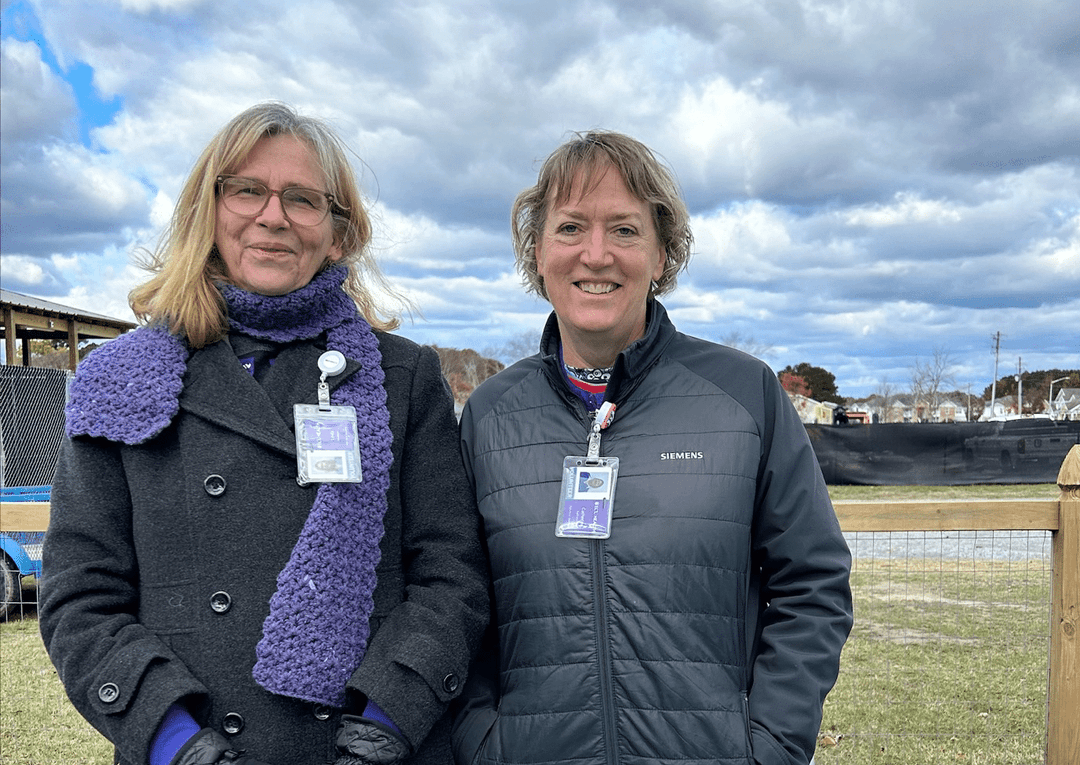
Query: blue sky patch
pixel 18 21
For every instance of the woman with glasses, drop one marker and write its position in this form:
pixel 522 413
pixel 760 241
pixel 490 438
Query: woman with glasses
pixel 263 549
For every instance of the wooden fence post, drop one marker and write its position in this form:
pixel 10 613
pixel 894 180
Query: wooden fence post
pixel 1063 707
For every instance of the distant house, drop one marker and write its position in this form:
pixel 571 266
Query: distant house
pixel 813 412
pixel 1066 404
pixel 903 407
pixel 1004 407
pixel 950 411
pixel 882 409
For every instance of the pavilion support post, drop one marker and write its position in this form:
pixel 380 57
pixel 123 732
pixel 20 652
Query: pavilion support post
pixel 73 345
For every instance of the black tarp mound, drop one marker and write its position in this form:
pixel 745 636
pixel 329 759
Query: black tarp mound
pixel 1018 451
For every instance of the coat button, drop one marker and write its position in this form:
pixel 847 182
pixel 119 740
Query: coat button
pixel 321 712
pixel 108 693
pixel 450 683
pixel 214 485
pixel 232 723
pixel 221 602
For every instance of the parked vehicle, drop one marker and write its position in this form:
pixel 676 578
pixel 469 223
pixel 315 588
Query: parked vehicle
pixel 20 549
pixel 1029 440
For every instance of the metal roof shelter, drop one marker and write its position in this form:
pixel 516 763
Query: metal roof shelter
pixel 28 318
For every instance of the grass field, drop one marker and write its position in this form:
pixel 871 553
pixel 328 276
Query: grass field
pixel 947 663
pixel 38 725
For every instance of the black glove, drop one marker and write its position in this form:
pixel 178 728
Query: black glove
pixel 361 741
pixel 208 747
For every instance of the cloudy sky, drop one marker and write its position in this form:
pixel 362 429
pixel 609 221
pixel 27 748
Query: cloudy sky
pixel 871 181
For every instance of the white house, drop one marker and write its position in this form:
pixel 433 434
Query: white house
pixel 1004 407
pixel 1066 404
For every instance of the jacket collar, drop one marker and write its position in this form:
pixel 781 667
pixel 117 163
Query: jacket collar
pixel 632 363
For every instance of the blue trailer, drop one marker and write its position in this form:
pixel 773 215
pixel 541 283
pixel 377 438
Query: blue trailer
pixel 24 516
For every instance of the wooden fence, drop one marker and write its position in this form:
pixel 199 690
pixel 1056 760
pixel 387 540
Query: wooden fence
pixel 1061 517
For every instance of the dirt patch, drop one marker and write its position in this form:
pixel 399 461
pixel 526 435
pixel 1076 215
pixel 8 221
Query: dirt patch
pixel 911 636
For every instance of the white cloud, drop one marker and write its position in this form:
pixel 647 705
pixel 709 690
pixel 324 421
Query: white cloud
pixel 146 6
pixel 867 180
pixel 746 240
pixel 23 270
pixel 906 208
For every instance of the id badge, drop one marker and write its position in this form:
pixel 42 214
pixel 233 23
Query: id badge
pixel 587 497
pixel 327 447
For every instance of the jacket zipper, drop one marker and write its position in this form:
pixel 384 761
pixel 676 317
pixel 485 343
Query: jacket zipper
pixel 603 652
pixel 597 548
pixel 746 722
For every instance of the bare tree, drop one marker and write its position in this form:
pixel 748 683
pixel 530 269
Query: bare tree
pixel 886 393
pixel 929 380
pixel 518 347
pixel 748 345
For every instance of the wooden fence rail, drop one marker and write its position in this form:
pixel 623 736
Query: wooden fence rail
pixel 1061 517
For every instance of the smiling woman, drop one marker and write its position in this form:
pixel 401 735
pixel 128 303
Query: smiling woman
pixel 224 242
pixel 253 481
pixel 668 572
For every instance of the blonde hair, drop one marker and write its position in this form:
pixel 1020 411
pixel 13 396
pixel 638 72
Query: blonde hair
pixel 588 155
pixel 186 264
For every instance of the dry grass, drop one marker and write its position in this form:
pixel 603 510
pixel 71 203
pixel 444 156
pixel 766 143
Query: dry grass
pixel 38 725
pixel 947 663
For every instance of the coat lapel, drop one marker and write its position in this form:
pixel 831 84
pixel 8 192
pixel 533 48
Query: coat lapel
pixel 218 389
pixel 294 378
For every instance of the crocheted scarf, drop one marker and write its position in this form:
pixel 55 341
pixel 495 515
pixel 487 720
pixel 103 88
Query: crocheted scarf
pixel 317 631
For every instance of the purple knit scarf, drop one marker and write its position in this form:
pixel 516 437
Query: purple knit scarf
pixel 317 631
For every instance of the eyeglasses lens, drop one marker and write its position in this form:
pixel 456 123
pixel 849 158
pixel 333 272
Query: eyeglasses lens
pixel 305 207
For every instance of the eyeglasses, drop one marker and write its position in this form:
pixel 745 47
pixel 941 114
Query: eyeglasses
pixel 247 197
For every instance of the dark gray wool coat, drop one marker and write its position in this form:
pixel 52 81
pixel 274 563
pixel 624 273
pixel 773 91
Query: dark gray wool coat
pixel 156 582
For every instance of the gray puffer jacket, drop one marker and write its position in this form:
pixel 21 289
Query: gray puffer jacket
pixel 708 627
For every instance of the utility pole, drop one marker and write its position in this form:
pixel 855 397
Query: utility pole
pixel 1019 387
pixel 993 388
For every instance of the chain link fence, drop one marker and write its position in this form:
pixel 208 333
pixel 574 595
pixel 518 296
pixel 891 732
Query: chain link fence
pixel 31 430
pixel 31 423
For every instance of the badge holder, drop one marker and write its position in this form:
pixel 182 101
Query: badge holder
pixel 327 446
pixel 587 496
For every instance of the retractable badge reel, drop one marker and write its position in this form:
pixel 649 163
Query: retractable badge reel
pixel 588 487
pixel 327 446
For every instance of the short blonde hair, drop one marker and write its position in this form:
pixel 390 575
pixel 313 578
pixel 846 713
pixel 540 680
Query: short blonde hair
pixel 186 264
pixel 645 177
